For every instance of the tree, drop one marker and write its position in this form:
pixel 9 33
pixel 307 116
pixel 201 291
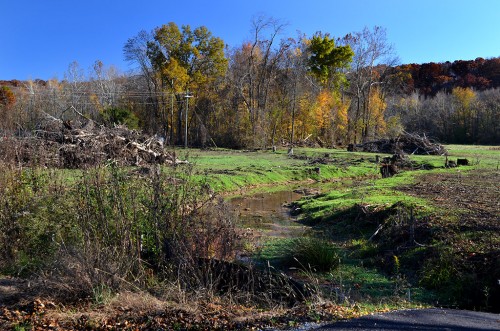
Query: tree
pixel 7 97
pixel 328 64
pixel 255 70
pixel 145 90
pixel 186 60
pixel 327 60
pixel 465 115
pixel 375 119
pixel 105 85
pixel 488 117
pixel 373 57
pixel 295 80
pixel 7 101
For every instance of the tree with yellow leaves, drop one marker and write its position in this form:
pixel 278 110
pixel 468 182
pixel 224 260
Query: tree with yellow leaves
pixel 465 114
pixel 374 122
pixel 330 114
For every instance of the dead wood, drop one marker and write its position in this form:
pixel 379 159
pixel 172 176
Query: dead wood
pixel 406 143
pixel 82 144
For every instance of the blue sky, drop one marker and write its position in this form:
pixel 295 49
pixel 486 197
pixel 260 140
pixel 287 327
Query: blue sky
pixel 40 38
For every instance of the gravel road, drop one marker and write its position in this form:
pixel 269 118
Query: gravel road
pixel 433 319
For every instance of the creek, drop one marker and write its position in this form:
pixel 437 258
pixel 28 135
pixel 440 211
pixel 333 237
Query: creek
pixel 268 213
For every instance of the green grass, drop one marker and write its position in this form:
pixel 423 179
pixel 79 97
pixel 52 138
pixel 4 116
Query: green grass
pixel 351 281
pixel 232 171
pixel 373 193
pixel 349 181
pixel 480 156
pixel 304 253
pixel 352 185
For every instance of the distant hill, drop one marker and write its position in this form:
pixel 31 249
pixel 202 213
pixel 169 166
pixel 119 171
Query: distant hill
pixel 430 78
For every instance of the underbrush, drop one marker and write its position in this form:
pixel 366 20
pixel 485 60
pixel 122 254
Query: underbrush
pixel 90 234
pixel 112 229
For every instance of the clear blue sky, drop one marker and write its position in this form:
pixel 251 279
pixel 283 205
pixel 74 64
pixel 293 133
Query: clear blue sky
pixel 40 38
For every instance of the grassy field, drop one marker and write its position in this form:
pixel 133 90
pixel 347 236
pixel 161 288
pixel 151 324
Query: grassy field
pixel 231 171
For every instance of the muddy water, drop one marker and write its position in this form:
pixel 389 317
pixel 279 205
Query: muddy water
pixel 268 213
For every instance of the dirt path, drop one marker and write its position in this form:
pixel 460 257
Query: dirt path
pixel 433 319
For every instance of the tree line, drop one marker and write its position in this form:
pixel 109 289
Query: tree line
pixel 270 90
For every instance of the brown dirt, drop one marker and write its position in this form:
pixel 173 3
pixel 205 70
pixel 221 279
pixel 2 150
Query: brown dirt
pixel 473 198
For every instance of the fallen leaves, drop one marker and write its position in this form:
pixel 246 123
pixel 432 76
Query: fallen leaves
pixel 38 315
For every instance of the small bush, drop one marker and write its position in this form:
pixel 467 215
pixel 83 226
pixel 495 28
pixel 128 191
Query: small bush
pixel 33 218
pixel 364 249
pixel 439 270
pixel 312 253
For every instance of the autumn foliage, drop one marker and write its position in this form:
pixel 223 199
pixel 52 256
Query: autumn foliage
pixel 317 90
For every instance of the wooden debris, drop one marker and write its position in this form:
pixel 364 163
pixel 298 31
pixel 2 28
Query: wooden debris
pixel 79 145
pixel 406 143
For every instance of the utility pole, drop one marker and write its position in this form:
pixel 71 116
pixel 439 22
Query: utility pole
pixel 187 96
pixel 172 114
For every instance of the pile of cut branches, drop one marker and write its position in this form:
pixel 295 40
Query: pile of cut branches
pixel 405 143
pixel 65 144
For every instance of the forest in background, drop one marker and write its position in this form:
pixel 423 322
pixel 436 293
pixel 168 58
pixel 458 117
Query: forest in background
pixel 271 90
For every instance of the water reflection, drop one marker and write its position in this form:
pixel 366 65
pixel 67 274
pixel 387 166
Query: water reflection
pixel 268 212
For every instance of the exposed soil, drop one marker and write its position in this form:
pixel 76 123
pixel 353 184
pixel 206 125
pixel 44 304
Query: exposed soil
pixel 469 203
pixel 468 222
pixel 473 198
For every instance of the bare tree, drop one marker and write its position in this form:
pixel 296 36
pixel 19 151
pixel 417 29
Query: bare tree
pixel 145 85
pixel 254 70
pixel 373 56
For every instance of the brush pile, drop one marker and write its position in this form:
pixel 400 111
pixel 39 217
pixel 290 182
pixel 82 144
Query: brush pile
pixel 406 143
pixel 65 144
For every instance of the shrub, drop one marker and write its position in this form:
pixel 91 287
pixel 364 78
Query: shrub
pixel 33 218
pixel 312 253
pixel 124 116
